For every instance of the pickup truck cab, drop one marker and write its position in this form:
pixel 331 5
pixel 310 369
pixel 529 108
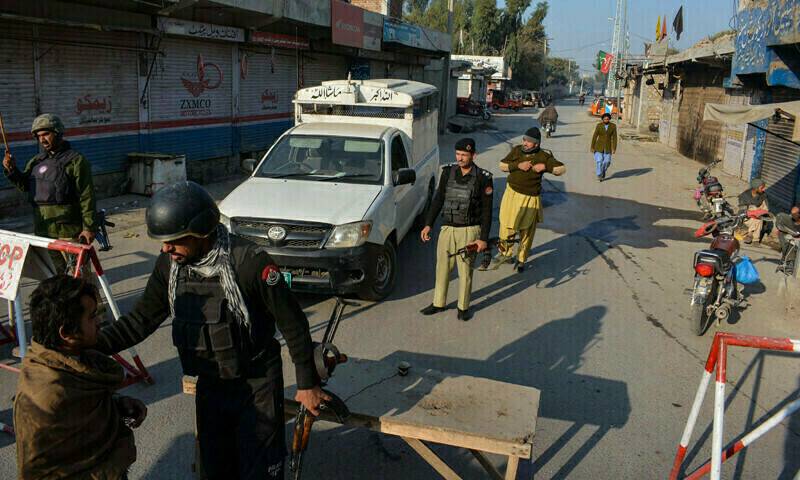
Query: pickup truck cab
pixel 335 195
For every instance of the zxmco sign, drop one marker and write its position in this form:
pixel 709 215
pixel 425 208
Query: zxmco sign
pixel 347 24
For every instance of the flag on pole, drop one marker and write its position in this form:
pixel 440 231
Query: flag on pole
pixel 677 24
pixel 658 29
pixel 664 28
pixel 604 61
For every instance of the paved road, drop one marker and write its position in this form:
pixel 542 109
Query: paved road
pixel 598 324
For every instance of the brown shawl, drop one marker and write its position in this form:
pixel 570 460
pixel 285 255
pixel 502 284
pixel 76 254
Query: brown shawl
pixel 67 423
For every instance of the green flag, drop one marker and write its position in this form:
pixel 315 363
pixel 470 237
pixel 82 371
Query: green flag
pixel 601 57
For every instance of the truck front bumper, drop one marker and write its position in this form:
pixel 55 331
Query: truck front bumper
pixel 339 271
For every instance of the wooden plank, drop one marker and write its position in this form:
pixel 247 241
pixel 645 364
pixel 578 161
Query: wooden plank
pixel 462 411
pixel 433 460
pixel 511 469
pixel 487 465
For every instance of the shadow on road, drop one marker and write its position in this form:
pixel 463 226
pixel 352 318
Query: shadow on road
pixel 633 172
pixel 548 359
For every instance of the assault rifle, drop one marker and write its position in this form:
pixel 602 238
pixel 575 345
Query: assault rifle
pixel 326 358
pixel 102 234
pixel 471 250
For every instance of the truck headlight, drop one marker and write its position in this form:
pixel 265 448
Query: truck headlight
pixel 225 221
pixel 349 235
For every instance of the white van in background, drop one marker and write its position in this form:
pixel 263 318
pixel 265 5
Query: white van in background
pixel 334 196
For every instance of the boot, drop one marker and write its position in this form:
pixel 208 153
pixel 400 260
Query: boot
pixel 431 310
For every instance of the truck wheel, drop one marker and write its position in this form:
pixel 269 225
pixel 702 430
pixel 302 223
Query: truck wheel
pixel 381 280
pixel 419 222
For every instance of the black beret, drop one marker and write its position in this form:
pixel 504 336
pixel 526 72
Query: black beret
pixel 533 133
pixel 466 145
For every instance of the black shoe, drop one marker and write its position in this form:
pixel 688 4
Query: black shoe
pixel 464 314
pixel 599 178
pixel 519 266
pixel 431 310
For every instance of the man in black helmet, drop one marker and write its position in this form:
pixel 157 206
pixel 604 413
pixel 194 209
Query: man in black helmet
pixel 225 297
pixel 59 184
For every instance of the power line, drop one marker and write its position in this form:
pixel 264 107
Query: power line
pixel 582 47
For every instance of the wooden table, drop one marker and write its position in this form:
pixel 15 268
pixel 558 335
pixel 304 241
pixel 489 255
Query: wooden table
pixel 480 415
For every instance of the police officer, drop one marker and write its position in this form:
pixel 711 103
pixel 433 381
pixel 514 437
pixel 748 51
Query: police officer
pixel 59 184
pixel 521 206
pixel 464 198
pixel 225 297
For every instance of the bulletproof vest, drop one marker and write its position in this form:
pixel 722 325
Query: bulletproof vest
pixel 209 339
pixel 51 185
pixel 459 201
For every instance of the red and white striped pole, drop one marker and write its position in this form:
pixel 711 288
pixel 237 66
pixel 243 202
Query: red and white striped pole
pixel 752 436
pixel 717 357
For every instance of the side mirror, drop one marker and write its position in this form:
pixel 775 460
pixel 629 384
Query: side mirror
pixel 404 176
pixel 248 165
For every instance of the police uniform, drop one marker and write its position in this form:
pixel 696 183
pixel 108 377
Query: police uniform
pixel 239 402
pixel 465 202
pixel 521 208
pixel 60 188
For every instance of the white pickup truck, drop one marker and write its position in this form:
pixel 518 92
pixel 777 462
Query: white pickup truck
pixel 334 196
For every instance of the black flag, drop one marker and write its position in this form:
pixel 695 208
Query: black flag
pixel 677 24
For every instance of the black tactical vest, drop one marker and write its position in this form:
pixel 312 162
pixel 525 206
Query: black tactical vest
pixel 51 185
pixel 210 341
pixel 460 207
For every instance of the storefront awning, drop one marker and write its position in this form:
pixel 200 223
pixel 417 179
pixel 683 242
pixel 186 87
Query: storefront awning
pixel 741 114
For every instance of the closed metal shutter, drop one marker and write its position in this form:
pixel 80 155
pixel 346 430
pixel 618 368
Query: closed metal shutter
pixel 17 95
pixel 779 169
pixel 377 69
pixel 94 89
pixel 190 100
pixel 266 88
pixel 319 67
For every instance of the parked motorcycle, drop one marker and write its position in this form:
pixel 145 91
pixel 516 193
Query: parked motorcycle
pixel 709 195
pixel 715 293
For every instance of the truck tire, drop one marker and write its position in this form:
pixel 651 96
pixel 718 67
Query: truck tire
pixel 419 222
pixel 380 281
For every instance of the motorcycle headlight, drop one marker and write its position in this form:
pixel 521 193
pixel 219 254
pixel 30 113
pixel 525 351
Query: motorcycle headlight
pixel 349 235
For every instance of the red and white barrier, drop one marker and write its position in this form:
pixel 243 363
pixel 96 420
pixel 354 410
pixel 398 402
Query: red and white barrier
pixel 717 359
pixel 85 254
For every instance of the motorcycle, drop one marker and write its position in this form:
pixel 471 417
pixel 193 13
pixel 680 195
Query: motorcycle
pixel 581 100
pixel 715 293
pixel 709 195
pixel 549 128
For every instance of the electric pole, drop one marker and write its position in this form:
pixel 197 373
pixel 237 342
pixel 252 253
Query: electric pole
pixel 618 40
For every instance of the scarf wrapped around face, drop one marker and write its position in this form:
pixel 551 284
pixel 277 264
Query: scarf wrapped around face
pixel 216 263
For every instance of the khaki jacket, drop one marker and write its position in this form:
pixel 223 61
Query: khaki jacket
pixel 604 140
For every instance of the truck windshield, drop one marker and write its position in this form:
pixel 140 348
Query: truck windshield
pixel 325 158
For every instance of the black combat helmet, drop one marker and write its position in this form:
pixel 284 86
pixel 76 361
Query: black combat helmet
pixel 179 210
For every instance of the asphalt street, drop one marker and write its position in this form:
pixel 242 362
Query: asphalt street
pixel 598 323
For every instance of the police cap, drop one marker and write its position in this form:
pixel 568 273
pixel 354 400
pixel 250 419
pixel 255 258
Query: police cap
pixel 466 145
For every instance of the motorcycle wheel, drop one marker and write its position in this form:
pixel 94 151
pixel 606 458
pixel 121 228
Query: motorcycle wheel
pixel 697 319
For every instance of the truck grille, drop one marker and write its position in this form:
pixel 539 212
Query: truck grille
pixel 300 235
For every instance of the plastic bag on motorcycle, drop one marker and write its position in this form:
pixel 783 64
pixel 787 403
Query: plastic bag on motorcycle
pixel 746 272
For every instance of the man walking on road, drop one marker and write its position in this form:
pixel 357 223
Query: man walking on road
pixel 59 184
pixel 604 144
pixel 464 198
pixel 224 296
pixel 754 198
pixel 521 207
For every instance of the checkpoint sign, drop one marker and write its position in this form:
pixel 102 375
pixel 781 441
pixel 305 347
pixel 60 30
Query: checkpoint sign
pixel 12 259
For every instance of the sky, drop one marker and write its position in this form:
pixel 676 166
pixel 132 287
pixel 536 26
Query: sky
pixel 579 28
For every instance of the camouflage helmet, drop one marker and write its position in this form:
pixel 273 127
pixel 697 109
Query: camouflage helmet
pixel 47 121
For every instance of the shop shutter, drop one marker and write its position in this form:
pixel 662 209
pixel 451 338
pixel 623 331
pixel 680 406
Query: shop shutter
pixel 190 100
pixel 779 169
pixel 780 162
pixel 17 91
pixel 266 88
pixel 93 87
pixel 377 69
pixel 320 67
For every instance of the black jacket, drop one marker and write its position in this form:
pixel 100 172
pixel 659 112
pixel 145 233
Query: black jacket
pixel 268 306
pixel 483 197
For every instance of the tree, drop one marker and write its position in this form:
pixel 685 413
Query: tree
pixel 527 64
